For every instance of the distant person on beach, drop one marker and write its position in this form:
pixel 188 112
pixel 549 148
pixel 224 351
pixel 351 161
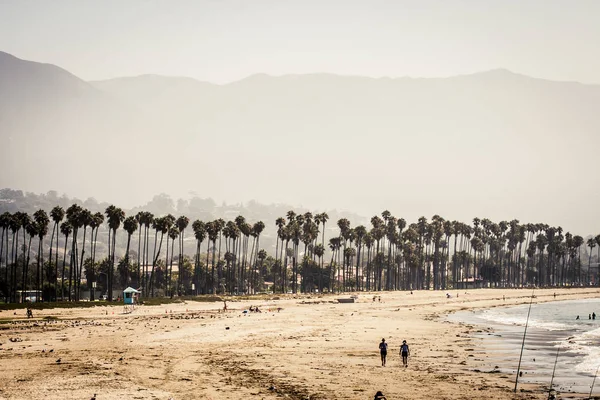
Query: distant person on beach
pixel 577 317
pixel 589 316
pixel 29 313
pixel 593 315
pixel 379 396
pixel 383 350
pixel 554 295
pixel 404 352
pixel 224 306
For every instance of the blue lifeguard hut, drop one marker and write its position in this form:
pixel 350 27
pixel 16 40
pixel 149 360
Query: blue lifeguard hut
pixel 130 295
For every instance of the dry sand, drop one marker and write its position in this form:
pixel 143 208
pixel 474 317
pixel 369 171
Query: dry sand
pixel 314 348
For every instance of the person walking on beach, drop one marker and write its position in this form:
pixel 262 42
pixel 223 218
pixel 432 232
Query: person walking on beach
pixel 404 352
pixel 383 350
pixel 593 315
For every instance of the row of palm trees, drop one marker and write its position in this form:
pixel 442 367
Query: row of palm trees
pixel 389 255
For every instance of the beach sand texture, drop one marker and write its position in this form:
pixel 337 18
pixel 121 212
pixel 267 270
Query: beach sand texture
pixel 314 348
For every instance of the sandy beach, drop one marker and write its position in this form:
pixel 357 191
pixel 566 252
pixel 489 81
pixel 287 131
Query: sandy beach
pixel 312 348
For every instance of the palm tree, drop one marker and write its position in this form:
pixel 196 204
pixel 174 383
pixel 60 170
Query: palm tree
pixel 74 216
pixel 199 229
pixel 5 225
pixel 162 225
pixel 360 232
pixel 32 230
pixel 96 222
pixel 57 214
pixel 257 229
pixel 15 224
pixel 213 231
pixel 182 223
pixel 66 229
pixel 280 223
pixel 591 242
pixel 42 221
pixel 86 219
pixel 114 216
pixel 130 225
pixel 323 218
pixel 172 234
pixel 148 220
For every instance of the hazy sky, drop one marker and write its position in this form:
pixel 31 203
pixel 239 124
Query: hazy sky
pixel 221 41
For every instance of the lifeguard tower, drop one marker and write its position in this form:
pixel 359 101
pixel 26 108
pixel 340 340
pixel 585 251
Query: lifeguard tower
pixel 130 298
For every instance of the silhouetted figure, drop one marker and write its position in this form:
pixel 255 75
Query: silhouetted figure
pixel 383 350
pixel 379 396
pixel 404 352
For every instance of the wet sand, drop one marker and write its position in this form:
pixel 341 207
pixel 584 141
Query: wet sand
pixel 314 348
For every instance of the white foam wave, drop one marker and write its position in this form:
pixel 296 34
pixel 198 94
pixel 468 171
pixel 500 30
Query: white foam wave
pixel 504 318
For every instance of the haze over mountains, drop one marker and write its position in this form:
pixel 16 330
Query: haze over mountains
pixel 494 144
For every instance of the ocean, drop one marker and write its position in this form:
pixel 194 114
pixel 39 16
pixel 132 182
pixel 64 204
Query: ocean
pixel 553 327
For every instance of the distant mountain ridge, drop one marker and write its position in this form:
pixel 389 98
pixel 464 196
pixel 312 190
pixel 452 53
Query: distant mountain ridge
pixel 493 143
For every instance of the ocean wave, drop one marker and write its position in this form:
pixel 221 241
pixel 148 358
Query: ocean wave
pixel 585 344
pixel 504 318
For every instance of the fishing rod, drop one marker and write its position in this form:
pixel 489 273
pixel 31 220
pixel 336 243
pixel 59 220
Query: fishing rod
pixel 523 344
pixel 553 370
pixel 593 382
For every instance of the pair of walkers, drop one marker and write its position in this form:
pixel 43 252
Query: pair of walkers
pixel 404 352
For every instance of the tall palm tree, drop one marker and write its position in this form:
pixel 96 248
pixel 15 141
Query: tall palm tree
pixel 360 232
pixel 182 223
pixel 130 225
pixel 66 229
pixel 257 229
pixel 15 224
pixel 591 242
pixel 74 216
pixel 97 220
pixel 160 225
pixel 200 233
pixel 86 219
pixel 31 229
pixel 57 214
pixel 172 234
pixel 5 225
pixel 114 216
pixel 213 231
pixel 41 219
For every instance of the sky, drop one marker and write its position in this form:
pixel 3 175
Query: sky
pixel 223 41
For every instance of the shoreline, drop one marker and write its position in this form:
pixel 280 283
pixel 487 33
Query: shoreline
pixel 314 347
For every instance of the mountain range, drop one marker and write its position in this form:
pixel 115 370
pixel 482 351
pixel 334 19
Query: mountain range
pixel 494 144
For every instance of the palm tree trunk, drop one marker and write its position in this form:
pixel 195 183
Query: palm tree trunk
pixel 139 271
pixel 62 282
pixel 81 264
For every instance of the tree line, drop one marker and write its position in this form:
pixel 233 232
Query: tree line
pixel 227 259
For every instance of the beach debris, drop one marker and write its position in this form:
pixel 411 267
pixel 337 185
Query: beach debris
pixel 227 328
pixel 58 361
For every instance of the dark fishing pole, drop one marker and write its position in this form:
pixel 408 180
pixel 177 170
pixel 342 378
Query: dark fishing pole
pixel 523 344
pixel 593 382
pixel 550 396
